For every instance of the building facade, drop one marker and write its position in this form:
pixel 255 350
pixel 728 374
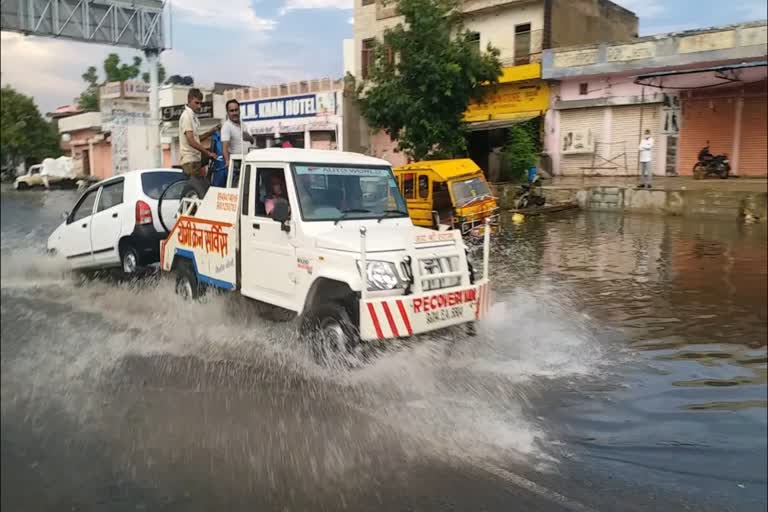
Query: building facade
pixel 688 89
pixel 521 30
pixel 115 139
pixel 308 114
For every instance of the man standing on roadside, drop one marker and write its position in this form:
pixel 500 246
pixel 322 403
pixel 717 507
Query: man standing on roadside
pixel 232 134
pixel 646 156
pixel 190 149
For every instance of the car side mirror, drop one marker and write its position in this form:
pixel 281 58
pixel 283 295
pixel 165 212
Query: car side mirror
pixel 281 213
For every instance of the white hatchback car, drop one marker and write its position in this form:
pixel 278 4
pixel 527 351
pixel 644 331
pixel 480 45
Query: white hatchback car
pixel 116 222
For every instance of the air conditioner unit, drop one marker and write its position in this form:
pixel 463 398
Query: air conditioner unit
pixel 576 142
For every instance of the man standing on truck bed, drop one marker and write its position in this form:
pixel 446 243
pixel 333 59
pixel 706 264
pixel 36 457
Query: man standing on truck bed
pixel 191 150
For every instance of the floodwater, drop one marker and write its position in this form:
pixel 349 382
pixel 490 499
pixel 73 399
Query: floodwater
pixel 623 368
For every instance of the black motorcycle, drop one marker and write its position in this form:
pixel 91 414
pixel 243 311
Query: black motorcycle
pixel 710 166
pixel 530 195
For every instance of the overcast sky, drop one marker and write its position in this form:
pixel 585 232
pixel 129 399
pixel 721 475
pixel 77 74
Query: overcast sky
pixel 256 42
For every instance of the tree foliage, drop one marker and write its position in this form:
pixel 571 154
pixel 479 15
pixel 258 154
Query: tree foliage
pixel 117 72
pixel 25 136
pixel 160 74
pixel 519 153
pixel 423 76
pixel 89 98
pixel 114 71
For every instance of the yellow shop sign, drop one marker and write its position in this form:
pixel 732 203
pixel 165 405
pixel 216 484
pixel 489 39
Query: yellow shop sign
pixel 509 100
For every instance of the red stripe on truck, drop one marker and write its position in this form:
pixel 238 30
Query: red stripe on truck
pixel 390 319
pixel 375 320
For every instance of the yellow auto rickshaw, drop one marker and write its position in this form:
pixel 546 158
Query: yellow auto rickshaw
pixel 448 193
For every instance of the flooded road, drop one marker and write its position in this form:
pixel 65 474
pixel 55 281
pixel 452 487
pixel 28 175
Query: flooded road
pixel 623 368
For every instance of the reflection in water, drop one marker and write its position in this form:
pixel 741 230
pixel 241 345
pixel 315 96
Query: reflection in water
pixel 688 299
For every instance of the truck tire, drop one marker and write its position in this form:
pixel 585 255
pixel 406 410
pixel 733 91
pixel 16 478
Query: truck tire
pixel 195 187
pixel 330 332
pixel 188 286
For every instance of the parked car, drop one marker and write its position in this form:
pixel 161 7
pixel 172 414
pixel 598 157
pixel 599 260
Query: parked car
pixel 116 222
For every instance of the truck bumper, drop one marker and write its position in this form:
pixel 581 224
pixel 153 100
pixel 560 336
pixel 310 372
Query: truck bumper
pixel 404 316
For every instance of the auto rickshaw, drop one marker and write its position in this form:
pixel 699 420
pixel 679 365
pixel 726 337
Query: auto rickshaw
pixel 448 194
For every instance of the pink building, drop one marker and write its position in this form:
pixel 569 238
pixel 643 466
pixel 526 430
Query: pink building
pixel 688 89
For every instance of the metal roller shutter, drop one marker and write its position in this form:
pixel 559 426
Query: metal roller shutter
pixel 753 147
pixel 629 122
pixel 579 120
pixel 704 119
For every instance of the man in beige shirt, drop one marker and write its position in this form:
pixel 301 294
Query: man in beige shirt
pixel 190 149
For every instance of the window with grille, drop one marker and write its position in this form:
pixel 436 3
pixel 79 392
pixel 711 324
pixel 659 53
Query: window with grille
pixel 522 44
pixel 367 57
pixel 474 39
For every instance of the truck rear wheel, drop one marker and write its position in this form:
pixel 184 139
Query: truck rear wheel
pixel 188 286
pixel 331 334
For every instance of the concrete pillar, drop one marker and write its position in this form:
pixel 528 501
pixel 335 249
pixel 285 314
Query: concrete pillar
pixel 736 149
pixel 307 138
pixel 154 108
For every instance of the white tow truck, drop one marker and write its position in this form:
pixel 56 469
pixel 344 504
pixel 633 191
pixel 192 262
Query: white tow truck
pixel 347 260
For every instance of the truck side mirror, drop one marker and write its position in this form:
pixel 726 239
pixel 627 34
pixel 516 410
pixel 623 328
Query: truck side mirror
pixel 281 213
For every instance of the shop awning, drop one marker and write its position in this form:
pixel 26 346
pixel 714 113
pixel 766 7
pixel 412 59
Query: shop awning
pixel 499 123
pixel 701 78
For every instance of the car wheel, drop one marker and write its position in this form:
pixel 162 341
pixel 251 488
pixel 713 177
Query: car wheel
pixel 21 186
pixel 129 260
pixel 187 285
pixel 331 334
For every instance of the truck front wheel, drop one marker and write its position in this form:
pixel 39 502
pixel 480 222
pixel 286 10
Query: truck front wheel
pixel 330 332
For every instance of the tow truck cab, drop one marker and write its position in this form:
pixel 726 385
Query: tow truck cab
pixel 326 235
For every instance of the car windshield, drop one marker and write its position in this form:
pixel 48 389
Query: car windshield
pixel 155 183
pixel 332 192
pixel 468 190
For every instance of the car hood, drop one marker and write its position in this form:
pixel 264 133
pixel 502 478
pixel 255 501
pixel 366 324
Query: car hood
pixel 379 237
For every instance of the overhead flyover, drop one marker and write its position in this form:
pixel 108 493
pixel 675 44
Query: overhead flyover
pixel 134 24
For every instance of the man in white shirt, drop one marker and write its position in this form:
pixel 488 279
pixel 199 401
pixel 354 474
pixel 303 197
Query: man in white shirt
pixel 232 134
pixel 646 156
pixel 190 149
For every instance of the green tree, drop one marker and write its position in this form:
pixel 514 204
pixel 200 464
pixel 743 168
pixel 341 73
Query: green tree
pixel 160 74
pixel 89 98
pixel 25 136
pixel 519 154
pixel 117 72
pixel 423 75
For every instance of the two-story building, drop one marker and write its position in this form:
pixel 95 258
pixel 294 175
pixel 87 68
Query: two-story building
pixel 521 30
pixel 689 89
pixel 115 139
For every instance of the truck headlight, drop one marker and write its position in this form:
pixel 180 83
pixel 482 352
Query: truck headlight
pixel 381 275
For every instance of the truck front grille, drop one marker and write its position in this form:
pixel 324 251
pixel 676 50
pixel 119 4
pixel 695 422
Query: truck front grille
pixel 439 273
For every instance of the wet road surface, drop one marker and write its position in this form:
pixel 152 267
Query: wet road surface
pixel 624 368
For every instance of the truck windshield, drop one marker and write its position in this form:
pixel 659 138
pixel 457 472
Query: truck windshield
pixel 466 191
pixel 332 192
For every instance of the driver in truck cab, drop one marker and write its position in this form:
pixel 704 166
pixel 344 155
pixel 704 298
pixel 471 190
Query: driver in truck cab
pixel 276 193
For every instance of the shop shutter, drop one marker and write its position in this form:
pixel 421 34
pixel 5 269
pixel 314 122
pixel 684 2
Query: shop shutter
pixel 579 120
pixel 704 119
pixel 753 149
pixel 629 123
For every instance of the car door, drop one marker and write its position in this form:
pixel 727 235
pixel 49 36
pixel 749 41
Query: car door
pixel 106 226
pixel 268 255
pixel 76 240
